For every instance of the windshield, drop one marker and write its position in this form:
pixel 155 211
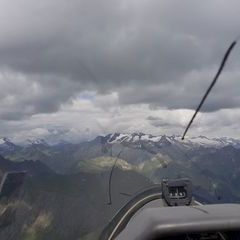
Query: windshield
pixel 95 97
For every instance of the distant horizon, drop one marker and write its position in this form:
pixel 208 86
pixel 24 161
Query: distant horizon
pixel 56 140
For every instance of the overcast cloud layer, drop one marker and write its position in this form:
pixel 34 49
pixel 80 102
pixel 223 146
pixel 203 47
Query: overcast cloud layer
pixel 88 67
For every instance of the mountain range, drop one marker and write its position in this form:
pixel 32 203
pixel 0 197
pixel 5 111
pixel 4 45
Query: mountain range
pixel 131 137
pixel 65 193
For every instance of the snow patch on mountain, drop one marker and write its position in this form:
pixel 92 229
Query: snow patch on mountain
pixel 6 144
pixel 150 138
pixel 2 141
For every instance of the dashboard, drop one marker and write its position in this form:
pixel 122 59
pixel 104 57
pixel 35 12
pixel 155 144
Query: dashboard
pixel 168 211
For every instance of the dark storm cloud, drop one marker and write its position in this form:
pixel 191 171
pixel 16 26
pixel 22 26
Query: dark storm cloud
pixel 23 96
pixel 159 52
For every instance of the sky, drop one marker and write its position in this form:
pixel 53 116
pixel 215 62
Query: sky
pixel 77 69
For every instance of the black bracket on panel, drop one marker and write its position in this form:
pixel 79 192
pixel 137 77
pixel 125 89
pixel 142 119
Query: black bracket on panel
pixel 177 192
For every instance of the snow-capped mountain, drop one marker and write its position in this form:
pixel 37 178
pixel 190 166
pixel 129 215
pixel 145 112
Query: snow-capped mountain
pixel 190 142
pixel 39 141
pixel 35 142
pixel 132 138
pixel 6 145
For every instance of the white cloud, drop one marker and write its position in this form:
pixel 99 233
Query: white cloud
pixel 82 119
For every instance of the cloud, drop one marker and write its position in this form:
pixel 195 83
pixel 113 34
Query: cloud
pixel 122 55
pixel 23 96
pixel 82 119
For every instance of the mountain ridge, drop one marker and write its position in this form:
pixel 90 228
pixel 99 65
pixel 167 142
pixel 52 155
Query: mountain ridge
pixel 193 141
pixel 172 139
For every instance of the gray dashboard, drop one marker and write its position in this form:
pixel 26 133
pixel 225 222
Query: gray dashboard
pixel 159 222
